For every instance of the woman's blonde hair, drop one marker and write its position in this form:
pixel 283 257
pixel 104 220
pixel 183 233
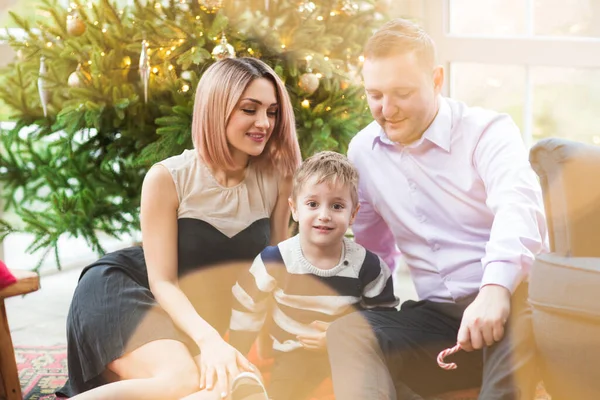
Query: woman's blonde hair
pixel 217 95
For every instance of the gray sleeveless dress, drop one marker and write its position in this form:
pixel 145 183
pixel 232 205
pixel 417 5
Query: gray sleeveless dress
pixel 220 231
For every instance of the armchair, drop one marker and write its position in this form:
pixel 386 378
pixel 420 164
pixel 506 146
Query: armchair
pixel 564 288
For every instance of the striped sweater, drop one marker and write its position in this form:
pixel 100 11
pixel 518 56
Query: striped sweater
pixel 297 293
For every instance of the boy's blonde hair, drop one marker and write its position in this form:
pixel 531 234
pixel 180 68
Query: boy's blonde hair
pixel 217 95
pixel 330 167
pixel 400 36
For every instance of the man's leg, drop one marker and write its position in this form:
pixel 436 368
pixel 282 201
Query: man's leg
pixel 510 368
pixel 392 355
pixel 297 374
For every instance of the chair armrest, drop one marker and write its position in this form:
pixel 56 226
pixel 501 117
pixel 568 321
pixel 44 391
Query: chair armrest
pixel 569 173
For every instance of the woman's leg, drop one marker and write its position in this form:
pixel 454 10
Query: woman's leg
pixel 163 370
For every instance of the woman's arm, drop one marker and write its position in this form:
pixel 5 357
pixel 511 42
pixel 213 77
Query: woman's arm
pixel 280 217
pixel 159 205
pixel 159 230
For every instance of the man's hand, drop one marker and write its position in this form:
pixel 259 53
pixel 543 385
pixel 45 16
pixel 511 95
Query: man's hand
pixel 318 341
pixel 483 321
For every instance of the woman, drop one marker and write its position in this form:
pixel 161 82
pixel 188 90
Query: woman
pixel 146 324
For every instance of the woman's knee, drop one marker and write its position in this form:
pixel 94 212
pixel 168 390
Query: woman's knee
pixel 167 362
pixel 180 381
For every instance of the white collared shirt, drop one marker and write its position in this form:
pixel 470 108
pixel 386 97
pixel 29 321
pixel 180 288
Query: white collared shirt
pixel 462 204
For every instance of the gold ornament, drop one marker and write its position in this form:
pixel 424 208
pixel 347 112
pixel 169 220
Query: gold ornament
pixel 75 26
pixel 42 86
pixel 145 69
pixel 309 82
pixel 223 50
pixel 78 78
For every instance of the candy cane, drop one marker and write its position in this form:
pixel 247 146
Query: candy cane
pixel 446 353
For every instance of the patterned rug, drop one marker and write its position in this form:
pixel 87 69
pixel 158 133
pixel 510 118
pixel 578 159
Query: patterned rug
pixel 42 370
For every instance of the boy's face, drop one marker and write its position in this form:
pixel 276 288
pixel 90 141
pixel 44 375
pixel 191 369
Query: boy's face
pixel 324 212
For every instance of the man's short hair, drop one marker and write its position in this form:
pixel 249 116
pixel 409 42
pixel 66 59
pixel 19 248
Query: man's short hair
pixel 400 36
pixel 330 167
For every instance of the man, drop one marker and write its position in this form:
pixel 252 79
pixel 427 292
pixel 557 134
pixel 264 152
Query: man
pixel 451 188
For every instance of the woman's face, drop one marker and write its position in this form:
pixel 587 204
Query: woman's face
pixel 252 121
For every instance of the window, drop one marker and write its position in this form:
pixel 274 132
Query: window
pixel 580 18
pixel 488 17
pixel 497 87
pixel 565 103
pixel 538 60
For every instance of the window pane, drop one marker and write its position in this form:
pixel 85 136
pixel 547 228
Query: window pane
pixel 580 18
pixel 488 17
pixel 566 103
pixel 496 87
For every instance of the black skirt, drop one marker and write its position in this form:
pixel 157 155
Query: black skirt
pixel 113 311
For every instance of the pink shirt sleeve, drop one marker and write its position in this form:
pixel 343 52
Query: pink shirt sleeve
pixel 514 196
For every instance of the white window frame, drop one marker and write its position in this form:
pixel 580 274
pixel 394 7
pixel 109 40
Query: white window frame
pixel 526 50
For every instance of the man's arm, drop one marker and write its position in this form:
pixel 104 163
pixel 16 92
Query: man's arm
pixel 250 303
pixel 514 195
pixel 518 232
pixel 369 228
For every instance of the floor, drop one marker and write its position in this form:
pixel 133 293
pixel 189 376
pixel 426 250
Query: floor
pixel 38 319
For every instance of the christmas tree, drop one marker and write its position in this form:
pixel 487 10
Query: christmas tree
pixel 99 93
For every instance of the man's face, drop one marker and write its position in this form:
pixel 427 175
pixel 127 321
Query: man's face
pixel 402 95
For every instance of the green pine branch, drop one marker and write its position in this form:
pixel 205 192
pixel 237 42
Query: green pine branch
pixel 78 171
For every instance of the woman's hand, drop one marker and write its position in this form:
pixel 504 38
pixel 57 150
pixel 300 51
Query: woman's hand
pixel 219 363
pixel 317 341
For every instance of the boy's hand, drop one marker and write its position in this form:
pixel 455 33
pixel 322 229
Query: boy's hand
pixel 317 341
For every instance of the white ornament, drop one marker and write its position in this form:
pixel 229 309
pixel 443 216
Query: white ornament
pixel 309 82
pixel 42 90
pixel 223 50
pixel 145 69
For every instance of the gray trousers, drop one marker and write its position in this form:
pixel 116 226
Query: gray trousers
pixel 391 355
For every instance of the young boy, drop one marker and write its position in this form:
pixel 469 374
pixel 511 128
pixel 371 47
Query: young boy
pixel 311 279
